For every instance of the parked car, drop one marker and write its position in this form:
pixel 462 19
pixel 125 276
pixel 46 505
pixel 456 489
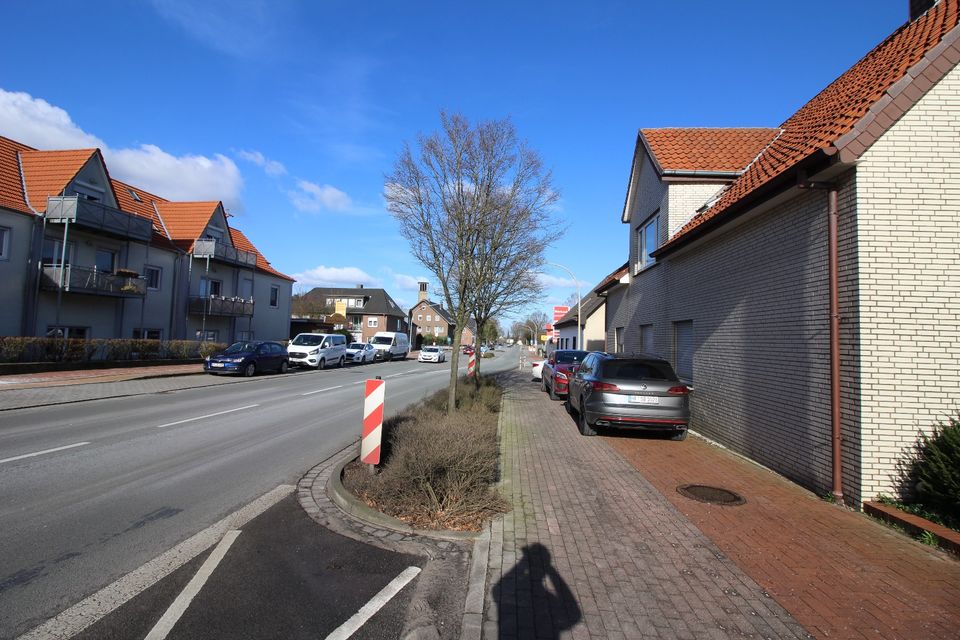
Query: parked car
pixel 317 350
pixel 431 354
pixel 249 357
pixel 361 352
pixel 467 350
pixel 558 369
pixel 391 345
pixel 537 369
pixel 629 392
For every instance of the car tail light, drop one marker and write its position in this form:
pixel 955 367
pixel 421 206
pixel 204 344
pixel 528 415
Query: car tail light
pixel 604 386
pixel 680 390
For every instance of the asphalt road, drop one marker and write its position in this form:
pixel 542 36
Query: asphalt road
pixel 155 469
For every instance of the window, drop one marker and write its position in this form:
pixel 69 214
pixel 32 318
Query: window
pixel 648 237
pixel 52 251
pixel 133 194
pixel 573 341
pixel 419 317
pixel 329 302
pixel 351 302
pixel 210 335
pixel 147 334
pixel 274 297
pixel 78 333
pixel 429 318
pixel 246 290
pixel 373 322
pixel 4 243
pixel 436 330
pixel 214 233
pixel 646 338
pixel 210 287
pixel 152 276
pixel 359 302
pixel 105 260
pixel 618 340
pixel 683 349
pixel 88 192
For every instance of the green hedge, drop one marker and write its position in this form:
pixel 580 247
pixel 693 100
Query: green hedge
pixel 28 349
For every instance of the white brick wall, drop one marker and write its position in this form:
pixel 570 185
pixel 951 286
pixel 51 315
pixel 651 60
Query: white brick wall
pixel 908 187
pixel 683 200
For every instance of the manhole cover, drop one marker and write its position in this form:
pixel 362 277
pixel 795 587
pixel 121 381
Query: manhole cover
pixel 711 495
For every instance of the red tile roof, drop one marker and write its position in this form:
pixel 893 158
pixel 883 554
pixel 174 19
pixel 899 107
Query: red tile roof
pixel 706 150
pixel 11 187
pixel 241 242
pixel 886 82
pixel 48 173
pixel 185 221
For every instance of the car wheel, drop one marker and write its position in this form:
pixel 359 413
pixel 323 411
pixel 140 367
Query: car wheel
pixel 340 363
pixel 553 391
pixel 284 367
pixel 543 384
pixel 679 435
pixel 321 365
pixel 567 405
pixel 585 427
pixel 249 370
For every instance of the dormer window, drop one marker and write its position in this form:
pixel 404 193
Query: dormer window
pixel 213 233
pixel 136 196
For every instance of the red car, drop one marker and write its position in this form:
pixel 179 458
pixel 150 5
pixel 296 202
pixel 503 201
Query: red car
pixel 467 350
pixel 558 369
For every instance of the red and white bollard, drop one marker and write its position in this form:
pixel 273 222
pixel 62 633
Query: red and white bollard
pixel 472 365
pixel 373 396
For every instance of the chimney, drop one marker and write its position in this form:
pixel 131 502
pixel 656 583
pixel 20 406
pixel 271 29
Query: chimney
pixel 360 286
pixel 919 7
pixel 423 292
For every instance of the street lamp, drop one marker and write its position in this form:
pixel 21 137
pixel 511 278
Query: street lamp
pixel 579 303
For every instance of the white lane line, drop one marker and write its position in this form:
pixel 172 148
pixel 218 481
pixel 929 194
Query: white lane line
pixel 358 619
pixel 165 625
pixel 310 393
pixel 40 453
pixel 209 415
pixel 72 621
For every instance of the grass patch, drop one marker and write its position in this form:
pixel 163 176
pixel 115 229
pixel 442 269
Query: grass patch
pixel 438 471
pixel 920 511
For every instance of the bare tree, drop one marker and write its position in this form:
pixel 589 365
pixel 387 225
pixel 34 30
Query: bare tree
pixel 454 199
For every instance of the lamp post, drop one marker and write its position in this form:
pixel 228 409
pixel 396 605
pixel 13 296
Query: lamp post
pixel 579 303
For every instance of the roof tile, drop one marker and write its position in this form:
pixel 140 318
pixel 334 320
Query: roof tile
pixel 713 150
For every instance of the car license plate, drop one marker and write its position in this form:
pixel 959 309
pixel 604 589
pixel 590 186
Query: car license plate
pixel 216 364
pixel 645 399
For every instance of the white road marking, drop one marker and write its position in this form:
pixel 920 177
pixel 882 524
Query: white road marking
pixel 310 393
pixel 376 603
pixel 40 453
pixel 90 610
pixel 165 625
pixel 209 415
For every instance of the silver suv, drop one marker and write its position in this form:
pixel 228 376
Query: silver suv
pixel 629 392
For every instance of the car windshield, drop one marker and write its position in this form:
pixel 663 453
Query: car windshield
pixel 570 357
pixel 637 369
pixel 356 346
pixel 382 340
pixel 241 347
pixel 430 349
pixel 307 340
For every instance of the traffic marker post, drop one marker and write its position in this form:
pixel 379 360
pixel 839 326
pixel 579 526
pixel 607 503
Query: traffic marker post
pixel 373 396
pixel 472 365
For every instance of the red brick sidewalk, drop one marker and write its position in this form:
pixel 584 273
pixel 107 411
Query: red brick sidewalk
pixel 838 572
pixel 87 376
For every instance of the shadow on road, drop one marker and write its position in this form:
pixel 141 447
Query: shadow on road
pixel 533 600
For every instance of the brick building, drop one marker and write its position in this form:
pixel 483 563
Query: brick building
pixel 730 269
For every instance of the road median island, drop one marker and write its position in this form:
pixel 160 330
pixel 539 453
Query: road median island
pixel 438 471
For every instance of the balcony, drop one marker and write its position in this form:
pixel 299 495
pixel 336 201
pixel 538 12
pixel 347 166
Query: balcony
pixel 96 216
pixel 224 253
pixel 88 280
pixel 220 306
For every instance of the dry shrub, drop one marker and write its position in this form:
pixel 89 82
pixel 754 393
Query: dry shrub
pixel 441 469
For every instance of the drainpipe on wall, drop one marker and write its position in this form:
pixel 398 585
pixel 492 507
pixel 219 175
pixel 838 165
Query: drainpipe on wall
pixel 833 277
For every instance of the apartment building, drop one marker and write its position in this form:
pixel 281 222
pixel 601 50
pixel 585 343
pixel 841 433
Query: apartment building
pixel 87 256
pixel 366 310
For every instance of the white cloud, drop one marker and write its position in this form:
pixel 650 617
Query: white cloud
pixel 241 28
pixel 312 198
pixel 335 277
pixel 552 282
pixel 35 122
pixel 270 167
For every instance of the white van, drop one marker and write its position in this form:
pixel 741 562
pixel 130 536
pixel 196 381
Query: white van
pixel 317 350
pixel 391 345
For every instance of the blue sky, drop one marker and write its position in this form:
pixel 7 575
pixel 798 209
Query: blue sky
pixel 293 112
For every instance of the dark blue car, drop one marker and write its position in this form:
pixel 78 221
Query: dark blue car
pixel 249 357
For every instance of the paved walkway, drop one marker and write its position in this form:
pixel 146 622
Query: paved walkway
pixel 601 545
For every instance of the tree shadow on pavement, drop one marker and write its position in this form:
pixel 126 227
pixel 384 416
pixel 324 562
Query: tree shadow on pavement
pixel 533 600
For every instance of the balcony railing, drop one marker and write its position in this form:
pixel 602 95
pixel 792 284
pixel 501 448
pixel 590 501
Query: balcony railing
pixel 224 253
pixel 91 214
pixel 220 306
pixel 90 280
